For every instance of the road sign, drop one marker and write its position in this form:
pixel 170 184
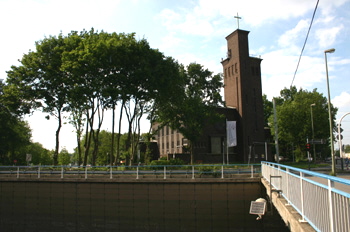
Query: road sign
pixel 341 137
pixel 317 141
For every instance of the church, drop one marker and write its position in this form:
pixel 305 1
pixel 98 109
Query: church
pixel 244 105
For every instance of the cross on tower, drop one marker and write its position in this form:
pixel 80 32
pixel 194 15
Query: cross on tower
pixel 238 18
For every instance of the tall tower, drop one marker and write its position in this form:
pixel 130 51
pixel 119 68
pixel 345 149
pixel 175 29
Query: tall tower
pixel 242 79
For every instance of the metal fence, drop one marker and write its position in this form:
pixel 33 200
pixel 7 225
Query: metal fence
pixel 131 172
pixel 322 200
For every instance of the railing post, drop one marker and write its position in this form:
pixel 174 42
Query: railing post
pixel 17 172
pixel 39 172
pixel 302 197
pixel 85 172
pixel 330 205
pixel 192 172
pixel 164 172
pixel 287 192
pixel 222 172
pixel 252 171
pixel 111 173
pixel 137 172
pixel 62 172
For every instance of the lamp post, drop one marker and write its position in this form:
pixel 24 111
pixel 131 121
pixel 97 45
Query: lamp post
pixel 313 132
pixel 329 112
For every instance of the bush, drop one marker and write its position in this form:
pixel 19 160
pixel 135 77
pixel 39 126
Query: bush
pixel 163 162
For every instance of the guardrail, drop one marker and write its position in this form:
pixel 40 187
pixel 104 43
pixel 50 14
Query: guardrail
pixel 321 200
pixel 136 172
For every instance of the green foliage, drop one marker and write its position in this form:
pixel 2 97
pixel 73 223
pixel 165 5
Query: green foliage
pixel 347 148
pixel 64 158
pixel 197 96
pixel 210 170
pixel 86 73
pixel 268 109
pixel 163 162
pixel 295 123
pixel 104 152
pixel 39 154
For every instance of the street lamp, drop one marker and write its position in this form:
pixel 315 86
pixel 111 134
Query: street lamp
pixel 313 133
pixel 329 112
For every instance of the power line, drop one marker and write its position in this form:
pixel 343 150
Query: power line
pixel 302 50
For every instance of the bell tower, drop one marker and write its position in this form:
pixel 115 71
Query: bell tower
pixel 243 91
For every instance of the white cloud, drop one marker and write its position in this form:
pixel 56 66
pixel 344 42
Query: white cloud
pixel 343 100
pixel 196 26
pixel 170 43
pixel 289 37
pixel 257 13
pixel 327 37
pixel 169 19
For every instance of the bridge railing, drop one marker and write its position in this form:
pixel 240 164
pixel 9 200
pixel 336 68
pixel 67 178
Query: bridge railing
pixel 322 200
pixel 135 172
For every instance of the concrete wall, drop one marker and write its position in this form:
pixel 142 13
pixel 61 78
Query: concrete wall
pixel 129 206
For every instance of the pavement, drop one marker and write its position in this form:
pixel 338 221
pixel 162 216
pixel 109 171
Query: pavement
pixel 340 173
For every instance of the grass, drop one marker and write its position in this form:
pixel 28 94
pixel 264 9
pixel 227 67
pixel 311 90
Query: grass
pixel 305 165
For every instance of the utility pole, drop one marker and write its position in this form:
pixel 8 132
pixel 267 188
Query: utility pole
pixel 276 131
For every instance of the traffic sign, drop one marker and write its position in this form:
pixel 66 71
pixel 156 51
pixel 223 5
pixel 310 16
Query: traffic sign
pixel 317 141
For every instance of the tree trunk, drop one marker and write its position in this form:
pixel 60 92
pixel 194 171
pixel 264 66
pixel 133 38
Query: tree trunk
pixel 55 156
pixel 100 114
pixel 119 133
pixel 112 142
pixel 88 135
pixel 191 149
pixel 79 149
pixel 95 137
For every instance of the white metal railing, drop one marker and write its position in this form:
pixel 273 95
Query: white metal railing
pixel 140 171
pixel 322 200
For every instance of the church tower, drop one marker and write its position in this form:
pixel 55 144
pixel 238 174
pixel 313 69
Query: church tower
pixel 243 91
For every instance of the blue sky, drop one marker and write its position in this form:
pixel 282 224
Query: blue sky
pixel 195 31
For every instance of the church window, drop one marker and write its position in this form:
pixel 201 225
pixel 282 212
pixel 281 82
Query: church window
pixel 236 68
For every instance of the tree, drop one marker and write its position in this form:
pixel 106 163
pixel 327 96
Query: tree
pixel 105 142
pixel 41 79
pixel 347 149
pixel 268 109
pixel 195 104
pixel 64 157
pixel 294 119
pixel 39 154
pixel 15 134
